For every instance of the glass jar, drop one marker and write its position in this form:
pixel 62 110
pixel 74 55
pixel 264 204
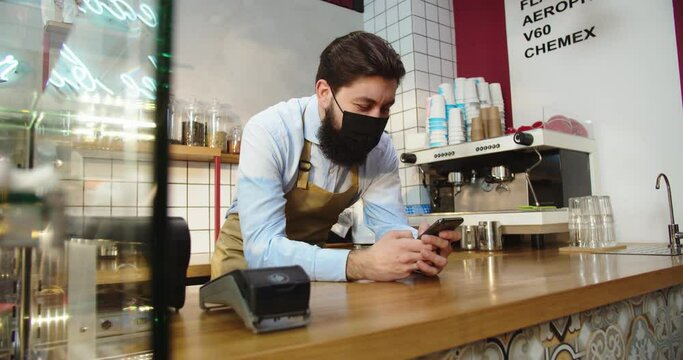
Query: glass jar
pixel 217 128
pixel 193 125
pixel 235 140
pixel 173 122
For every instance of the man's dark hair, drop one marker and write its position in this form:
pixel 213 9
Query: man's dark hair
pixel 358 54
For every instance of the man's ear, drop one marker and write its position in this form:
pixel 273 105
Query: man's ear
pixel 323 91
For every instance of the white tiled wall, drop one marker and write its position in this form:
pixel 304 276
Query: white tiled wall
pixel 104 187
pixel 421 31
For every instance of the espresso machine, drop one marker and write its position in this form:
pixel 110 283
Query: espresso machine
pixel 527 175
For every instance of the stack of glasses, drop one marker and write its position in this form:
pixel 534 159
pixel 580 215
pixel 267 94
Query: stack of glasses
pixel 496 94
pixel 591 222
pixel 437 125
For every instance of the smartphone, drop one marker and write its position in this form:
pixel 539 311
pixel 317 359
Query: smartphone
pixel 441 225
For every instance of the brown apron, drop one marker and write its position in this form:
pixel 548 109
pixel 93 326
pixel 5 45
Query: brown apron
pixel 310 212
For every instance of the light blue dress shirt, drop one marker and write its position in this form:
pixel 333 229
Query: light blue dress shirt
pixel 271 147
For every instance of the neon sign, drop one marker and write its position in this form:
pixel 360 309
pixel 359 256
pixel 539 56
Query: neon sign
pixel 8 66
pixel 120 10
pixel 80 78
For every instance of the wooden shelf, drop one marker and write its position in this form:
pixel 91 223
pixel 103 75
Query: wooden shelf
pixel 230 158
pixel 192 153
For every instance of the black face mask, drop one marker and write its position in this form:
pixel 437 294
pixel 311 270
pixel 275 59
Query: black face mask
pixel 359 134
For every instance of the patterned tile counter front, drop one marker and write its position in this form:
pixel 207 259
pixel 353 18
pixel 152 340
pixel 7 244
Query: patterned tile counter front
pixel 569 306
pixel 644 327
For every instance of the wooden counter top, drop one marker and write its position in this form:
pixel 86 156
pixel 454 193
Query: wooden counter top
pixel 475 297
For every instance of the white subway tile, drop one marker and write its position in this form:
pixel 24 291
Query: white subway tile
pixel 396 45
pixel 418 8
pixel 446 51
pixel 397 140
pixel 403 9
pixel 421 62
pixel 177 172
pixel 199 241
pixel 225 196
pixel 408 84
pixel 392 16
pixel 406 44
pixel 391 3
pixel 433 47
pixel 431 13
pixel 124 170
pixel 412 176
pixel 431 2
pixel 420 44
pixel 445 17
pixel 369 26
pixel 424 196
pixel 408 62
pixel 234 174
pixel 124 194
pixel 419 26
pixel 409 101
pixel 197 195
pixel 392 33
pixel 447 69
pixel 102 211
pixel 435 80
pixel 434 67
pixel 446 4
pixel 177 212
pixel 421 81
pixel 421 117
pixel 410 119
pixel 380 22
pixel 145 211
pixel 177 195
pixel 396 121
pixel 124 211
pixel 73 192
pixel 432 30
pixel 145 171
pixel 413 195
pixel 97 169
pixel 368 13
pixel 405 27
pixel 146 194
pixel 73 167
pixel 402 176
pixel 445 33
pixel 76 211
pixel 198 218
pixel 233 194
pixel 97 193
pixel 197 172
pixel 422 96
pixel 404 195
pixel 380 6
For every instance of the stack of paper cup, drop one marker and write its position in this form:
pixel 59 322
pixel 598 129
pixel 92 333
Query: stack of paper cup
pixel 446 90
pixel 497 101
pixel 484 94
pixel 456 131
pixel 460 90
pixel 471 106
pixel 437 124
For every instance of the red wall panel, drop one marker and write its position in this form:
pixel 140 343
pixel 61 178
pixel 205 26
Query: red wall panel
pixel 481 44
pixel 678 21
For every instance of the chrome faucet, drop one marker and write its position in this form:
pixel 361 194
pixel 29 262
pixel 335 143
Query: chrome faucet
pixel 675 236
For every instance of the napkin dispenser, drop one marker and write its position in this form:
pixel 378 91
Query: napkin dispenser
pixel 267 299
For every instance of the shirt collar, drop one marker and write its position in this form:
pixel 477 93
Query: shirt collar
pixel 312 120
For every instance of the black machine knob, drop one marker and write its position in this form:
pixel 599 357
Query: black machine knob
pixel 523 138
pixel 408 158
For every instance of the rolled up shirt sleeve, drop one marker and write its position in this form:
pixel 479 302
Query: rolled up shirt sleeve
pixel 382 201
pixel 261 207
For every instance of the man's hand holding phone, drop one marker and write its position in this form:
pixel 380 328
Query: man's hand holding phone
pixel 440 236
